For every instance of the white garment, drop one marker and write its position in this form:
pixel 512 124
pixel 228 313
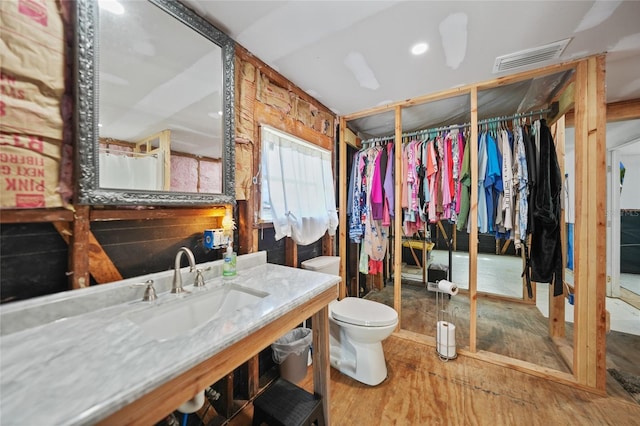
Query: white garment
pixel 507 182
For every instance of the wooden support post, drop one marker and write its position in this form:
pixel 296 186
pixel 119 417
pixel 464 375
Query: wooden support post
pixel 444 233
pixel 342 211
pixel 556 304
pixel 505 247
pixel 290 252
pixel 100 265
pixel 79 249
pixel 397 219
pixel 473 219
pixel 321 376
pixel 566 101
pixel 327 245
pixel 590 228
pixel 254 375
pixel 455 237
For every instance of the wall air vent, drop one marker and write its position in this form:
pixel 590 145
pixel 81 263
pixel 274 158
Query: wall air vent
pixel 531 56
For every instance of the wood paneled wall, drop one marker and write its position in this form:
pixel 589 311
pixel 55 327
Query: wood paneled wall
pixel 263 96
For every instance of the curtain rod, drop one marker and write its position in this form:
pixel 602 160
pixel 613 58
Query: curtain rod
pixel 460 126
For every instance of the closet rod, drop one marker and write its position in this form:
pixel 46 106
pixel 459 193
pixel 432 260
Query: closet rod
pixel 461 126
pixel 436 129
pixel 516 115
pixel 378 139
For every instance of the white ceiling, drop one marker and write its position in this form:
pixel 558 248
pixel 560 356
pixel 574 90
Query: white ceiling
pixel 355 55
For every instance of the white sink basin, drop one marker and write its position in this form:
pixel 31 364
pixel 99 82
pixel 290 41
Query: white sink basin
pixel 180 316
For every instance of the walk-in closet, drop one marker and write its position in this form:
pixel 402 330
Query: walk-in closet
pixel 475 152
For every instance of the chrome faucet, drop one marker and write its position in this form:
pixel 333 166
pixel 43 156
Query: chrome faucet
pixel 177 277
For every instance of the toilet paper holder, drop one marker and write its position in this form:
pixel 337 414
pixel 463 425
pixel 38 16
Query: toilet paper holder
pixel 445 327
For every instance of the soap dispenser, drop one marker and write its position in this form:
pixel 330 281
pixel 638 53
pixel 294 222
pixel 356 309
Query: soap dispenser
pixel 229 265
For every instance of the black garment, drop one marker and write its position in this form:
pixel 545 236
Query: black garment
pixel 546 247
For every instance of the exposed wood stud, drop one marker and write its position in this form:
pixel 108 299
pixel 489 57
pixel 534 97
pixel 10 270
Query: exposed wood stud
pixel 473 220
pixel 100 265
pixel 397 220
pixel 590 249
pixel 556 304
pixel 79 247
pixel 342 210
pixel 291 252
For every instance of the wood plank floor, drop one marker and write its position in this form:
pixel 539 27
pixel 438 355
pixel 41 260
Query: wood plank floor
pixel 512 329
pixel 422 390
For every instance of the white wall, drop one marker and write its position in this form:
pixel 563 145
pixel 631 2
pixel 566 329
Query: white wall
pixel 629 196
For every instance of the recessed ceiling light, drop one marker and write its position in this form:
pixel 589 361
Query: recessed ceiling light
pixel 420 48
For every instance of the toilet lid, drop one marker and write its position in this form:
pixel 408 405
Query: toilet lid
pixel 363 312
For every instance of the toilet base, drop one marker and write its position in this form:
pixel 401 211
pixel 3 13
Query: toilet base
pixel 364 362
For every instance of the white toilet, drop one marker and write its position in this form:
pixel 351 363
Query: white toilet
pixel 358 327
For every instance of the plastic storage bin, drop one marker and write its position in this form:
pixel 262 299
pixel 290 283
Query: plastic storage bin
pixel 291 351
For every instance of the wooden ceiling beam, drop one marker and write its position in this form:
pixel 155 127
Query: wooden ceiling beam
pixel 616 111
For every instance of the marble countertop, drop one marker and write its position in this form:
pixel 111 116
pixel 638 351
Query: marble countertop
pixel 75 357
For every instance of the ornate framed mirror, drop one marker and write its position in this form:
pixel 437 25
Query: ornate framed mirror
pixel 154 107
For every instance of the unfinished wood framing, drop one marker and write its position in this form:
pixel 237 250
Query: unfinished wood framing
pixel 159 143
pixel 590 245
pixel 473 219
pixel 342 210
pixel 78 249
pixel 586 92
pixel 397 221
pixel 556 304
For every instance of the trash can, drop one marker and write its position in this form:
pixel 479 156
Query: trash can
pixel 291 352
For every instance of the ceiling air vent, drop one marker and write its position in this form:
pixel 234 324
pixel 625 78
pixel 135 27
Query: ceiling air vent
pixel 531 56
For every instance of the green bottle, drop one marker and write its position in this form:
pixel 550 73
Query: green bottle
pixel 229 265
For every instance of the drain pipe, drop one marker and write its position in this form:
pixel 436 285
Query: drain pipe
pixel 193 405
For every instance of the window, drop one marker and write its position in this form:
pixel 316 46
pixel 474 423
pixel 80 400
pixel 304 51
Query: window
pixel 297 187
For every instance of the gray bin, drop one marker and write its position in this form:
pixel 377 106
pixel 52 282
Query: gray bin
pixel 291 351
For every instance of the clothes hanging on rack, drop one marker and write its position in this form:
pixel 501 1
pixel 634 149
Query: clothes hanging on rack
pixel 370 197
pixel 546 247
pixel 431 189
pixel 518 191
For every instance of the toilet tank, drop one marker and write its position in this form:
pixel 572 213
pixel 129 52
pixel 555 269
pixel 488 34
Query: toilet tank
pixel 326 264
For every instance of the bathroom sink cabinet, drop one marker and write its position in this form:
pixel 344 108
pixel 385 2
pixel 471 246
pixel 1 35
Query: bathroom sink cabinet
pixel 157 404
pixel 90 364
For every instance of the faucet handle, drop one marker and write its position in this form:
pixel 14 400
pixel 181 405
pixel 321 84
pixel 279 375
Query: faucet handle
pixel 149 292
pixel 199 280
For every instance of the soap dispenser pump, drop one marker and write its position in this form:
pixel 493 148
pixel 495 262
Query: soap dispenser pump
pixel 229 265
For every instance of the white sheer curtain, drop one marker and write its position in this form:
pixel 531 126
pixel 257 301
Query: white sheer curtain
pixel 128 172
pixel 299 187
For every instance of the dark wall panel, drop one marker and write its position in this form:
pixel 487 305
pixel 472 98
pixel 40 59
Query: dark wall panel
pixel 274 249
pixel 140 247
pixel 630 241
pixel 34 257
pixel 33 262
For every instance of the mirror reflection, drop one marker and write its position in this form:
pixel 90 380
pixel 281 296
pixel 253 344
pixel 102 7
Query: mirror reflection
pixel 155 105
pixel 160 102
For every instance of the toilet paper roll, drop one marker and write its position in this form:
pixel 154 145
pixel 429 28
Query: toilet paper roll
pixel 446 339
pixel 447 287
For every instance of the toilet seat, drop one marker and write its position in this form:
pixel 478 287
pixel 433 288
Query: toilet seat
pixel 367 313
